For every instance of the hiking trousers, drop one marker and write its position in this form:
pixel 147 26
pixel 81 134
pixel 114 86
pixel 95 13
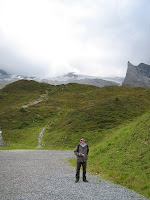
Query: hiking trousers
pixel 78 170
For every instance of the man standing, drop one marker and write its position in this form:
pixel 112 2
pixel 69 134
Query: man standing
pixel 81 152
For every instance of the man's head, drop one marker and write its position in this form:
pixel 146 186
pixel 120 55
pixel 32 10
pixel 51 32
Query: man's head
pixel 82 141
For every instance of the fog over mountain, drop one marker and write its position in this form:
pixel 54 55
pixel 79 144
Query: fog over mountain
pixel 55 37
pixel 6 78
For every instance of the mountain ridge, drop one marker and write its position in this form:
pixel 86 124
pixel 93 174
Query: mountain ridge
pixel 71 77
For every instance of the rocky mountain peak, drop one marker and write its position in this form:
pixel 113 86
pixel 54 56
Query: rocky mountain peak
pixel 137 76
pixel 130 64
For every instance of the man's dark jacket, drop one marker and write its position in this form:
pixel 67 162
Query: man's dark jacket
pixel 84 150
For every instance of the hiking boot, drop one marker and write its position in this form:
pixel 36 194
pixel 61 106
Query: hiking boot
pixel 85 181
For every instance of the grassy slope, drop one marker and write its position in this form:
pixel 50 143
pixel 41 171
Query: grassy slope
pixel 124 155
pixel 20 127
pixel 71 110
pixel 90 111
pixel 74 110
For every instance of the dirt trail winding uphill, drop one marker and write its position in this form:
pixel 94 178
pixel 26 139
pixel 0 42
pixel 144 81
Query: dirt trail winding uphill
pixel 43 97
pixel 1 140
pixel 46 175
pixel 40 137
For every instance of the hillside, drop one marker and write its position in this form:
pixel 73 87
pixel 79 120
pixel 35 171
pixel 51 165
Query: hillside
pixel 123 155
pixel 70 110
pixel 113 119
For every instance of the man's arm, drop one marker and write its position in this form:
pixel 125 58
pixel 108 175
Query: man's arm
pixel 76 151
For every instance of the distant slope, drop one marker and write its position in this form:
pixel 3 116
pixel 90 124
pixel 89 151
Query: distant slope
pixel 3 77
pixel 3 73
pixel 81 79
pixel 124 155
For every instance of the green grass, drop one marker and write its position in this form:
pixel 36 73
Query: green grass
pixel 123 155
pixel 113 120
pixel 25 138
pixel 71 110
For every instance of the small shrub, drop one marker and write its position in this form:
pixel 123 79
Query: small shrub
pixel 116 99
pixel 22 109
pixel 23 125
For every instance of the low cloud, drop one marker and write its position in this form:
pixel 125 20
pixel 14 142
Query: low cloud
pixel 93 37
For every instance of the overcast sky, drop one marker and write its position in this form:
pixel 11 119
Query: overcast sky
pixel 93 37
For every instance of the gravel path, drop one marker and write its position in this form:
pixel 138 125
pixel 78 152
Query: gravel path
pixel 46 175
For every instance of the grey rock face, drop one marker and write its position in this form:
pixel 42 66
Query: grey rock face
pixel 137 76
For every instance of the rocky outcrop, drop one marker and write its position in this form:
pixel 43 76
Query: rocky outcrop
pixel 137 76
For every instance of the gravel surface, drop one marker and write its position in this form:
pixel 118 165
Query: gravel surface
pixel 30 174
